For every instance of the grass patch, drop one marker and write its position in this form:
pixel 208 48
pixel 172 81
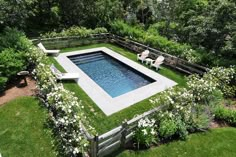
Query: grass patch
pixel 214 143
pixel 23 132
pixel 97 118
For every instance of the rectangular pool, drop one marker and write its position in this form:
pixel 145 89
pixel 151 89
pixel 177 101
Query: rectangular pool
pixel 111 80
pixel 113 76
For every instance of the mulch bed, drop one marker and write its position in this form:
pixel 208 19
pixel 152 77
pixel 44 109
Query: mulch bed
pixel 18 88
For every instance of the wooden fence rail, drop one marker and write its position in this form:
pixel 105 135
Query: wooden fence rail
pixel 118 137
pixel 170 60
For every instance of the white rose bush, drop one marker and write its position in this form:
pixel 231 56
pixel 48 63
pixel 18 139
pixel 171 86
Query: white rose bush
pixel 65 109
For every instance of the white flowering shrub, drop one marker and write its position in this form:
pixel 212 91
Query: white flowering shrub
pixel 180 114
pixel 146 133
pixel 65 109
pixel 36 56
pixel 224 78
pixel 44 77
pixel 202 89
pixel 190 109
pixel 67 115
pixel 190 56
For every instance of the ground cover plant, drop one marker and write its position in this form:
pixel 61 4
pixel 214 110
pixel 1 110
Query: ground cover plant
pixel 24 130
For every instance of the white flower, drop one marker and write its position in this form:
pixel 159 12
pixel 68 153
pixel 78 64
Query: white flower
pixel 144 131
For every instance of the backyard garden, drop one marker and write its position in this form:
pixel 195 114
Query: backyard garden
pixel 44 115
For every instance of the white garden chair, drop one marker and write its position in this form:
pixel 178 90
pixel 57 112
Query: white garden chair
pixel 156 63
pixel 143 55
pixel 56 52
pixel 63 76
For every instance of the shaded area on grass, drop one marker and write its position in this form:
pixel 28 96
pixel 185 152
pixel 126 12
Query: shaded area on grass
pixel 214 143
pixel 98 119
pixel 23 131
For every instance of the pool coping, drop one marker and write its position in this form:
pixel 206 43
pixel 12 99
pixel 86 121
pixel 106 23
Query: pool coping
pixel 103 100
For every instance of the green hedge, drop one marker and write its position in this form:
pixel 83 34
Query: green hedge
pixel 227 115
pixel 155 40
pixel 13 49
pixel 74 31
pixel 3 81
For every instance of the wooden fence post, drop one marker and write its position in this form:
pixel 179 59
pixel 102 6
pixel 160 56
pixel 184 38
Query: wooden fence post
pixel 94 146
pixel 124 133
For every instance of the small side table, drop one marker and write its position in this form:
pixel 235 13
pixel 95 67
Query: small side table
pixel 23 75
pixel 148 61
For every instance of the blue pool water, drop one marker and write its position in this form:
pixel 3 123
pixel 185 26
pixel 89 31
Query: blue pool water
pixel 115 77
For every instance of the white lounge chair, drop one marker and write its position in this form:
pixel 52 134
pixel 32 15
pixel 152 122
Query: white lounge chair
pixel 56 52
pixel 143 55
pixel 156 63
pixel 63 76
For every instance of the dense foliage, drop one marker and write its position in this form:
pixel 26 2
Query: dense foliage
pixel 191 109
pixel 161 43
pixel 207 26
pixel 3 81
pixel 75 31
pixel 226 115
pixel 13 48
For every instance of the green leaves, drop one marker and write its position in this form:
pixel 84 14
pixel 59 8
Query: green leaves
pixel 75 31
pixel 13 62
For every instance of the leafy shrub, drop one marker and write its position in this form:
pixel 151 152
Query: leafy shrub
pixel 13 62
pixel 74 31
pixel 226 115
pixel 3 81
pixel 155 40
pixel 171 125
pixel 224 78
pixel 160 28
pixel 167 128
pixel 145 134
pixel 12 38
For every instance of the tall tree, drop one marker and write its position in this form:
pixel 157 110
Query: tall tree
pixel 15 12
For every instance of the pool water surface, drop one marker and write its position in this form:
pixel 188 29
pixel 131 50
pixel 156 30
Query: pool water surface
pixel 113 76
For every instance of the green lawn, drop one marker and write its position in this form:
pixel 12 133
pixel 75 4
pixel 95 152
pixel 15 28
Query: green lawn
pixel 98 119
pixel 23 131
pixel 214 143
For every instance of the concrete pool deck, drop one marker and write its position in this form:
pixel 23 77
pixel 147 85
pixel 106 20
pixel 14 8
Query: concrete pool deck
pixel 103 100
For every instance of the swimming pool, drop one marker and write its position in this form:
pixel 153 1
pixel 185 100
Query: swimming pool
pixel 111 80
pixel 115 77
